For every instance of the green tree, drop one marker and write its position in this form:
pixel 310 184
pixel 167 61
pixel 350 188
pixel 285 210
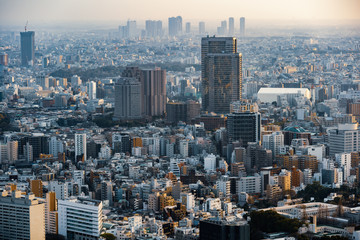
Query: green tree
pixel 108 236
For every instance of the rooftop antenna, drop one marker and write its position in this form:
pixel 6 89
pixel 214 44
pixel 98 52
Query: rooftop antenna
pixel 26 25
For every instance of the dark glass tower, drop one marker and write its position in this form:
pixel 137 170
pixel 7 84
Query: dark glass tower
pixel 27 48
pixel 221 73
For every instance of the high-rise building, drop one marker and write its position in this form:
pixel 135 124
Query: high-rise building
pixel 55 146
pixel 273 142
pixel 344 139
pixel 80 145
pixel 4 59
pixel 153 92
pixel 27 48
pixel 12 151
pixel 80 218
pixel 36 188
pixel 242 27
pixel 128 99
pixel 153 28
pixel 21 216
pixel 221 73
pixel 175 26
pixel 222 30
pixel 201 27
pixel 188 27
pixel 131 28
pixel 91 90
pixel 244 127
pixel 51 214
pixel 231 26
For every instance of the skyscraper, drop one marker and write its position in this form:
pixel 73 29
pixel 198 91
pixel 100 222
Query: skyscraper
pixel 153 28
pixel 153 89
pixel 242 27
pixel 201 27
pixel 231 27
pixel 27 48
pixel 80 145
pixel 131 28
pixel 221 73
pixel 244 127
pixel 175 26
pixel 128 104
pixel 91 90
pixel 188 27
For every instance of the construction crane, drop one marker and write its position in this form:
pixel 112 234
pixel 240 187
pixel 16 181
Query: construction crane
pixel 26 25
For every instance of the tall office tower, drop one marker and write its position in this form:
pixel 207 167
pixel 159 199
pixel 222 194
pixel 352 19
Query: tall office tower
pixel 222 30
pixel 80 145
pixel 188 27
pixel 21 216
pixel 242 27
pixel 201 27
pixel 51 214
pixel 175 26
pixel 221 73
pixel 128 104
pixel 91 88
pixel 153 28
pixel 273 142
pixel 244 127
pixel 344 139
pixel 27 48
pixel 231 27
pixel 4 59
pixel 80 218
pixel 131 28
pixel 153 89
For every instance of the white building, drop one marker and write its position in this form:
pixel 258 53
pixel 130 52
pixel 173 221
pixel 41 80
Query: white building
pixel 210 162
pixel 344 160
pixel 55 146
pixel 184 148
pixel 188 200
pixel 105 152
pixel 273 142
pixel 135 223
pixel 91 90
pixel 61 189
pixel 344 139
pixel 269 95
pixel 212 204
pixel 223 185
pixel 250 184
pixel 80 218
pixel 80 145
pixel 79 177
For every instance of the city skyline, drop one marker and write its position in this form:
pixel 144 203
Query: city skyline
pixel 42 12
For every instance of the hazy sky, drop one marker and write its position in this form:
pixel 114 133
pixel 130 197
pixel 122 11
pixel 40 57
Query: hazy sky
pixel 14 12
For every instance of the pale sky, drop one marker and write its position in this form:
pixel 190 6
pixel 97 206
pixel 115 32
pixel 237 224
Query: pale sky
pixel 14 12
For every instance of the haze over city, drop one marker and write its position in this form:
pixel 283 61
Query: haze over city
pixel 260 12
pixel 179 120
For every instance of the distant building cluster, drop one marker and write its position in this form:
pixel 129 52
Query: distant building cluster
pixel 179 134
